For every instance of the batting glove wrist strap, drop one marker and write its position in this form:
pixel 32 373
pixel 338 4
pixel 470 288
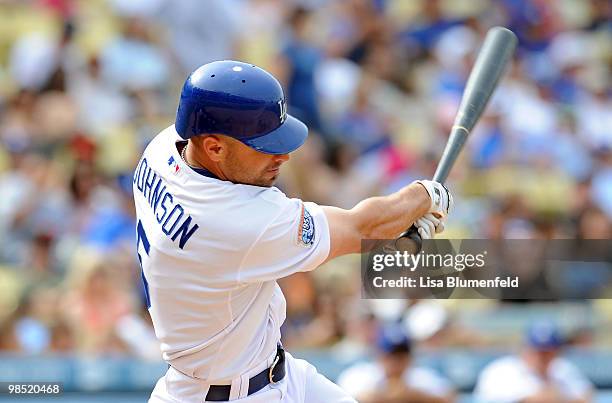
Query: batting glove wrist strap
pixel 441 199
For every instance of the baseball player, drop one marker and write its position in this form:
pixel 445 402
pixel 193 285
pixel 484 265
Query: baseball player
pixel 214 235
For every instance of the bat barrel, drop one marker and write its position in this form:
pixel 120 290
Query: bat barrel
pixel 492 59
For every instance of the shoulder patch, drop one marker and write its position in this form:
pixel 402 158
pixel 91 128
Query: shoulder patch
pixel 306 230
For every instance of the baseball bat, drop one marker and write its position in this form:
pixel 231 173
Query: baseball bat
pixel 490 64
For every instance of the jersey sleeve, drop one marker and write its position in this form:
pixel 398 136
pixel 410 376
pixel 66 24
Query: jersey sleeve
pixel 296 239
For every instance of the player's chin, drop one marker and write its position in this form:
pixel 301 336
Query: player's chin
pixel 270 177
pixel 266 181
pixel 272 181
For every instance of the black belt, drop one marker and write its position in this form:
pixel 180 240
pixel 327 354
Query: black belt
pixel 276 372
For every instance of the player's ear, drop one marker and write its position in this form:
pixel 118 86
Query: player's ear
pixel 213 147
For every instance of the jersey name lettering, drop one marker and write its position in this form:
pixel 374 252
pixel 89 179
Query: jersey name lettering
pixel 174 221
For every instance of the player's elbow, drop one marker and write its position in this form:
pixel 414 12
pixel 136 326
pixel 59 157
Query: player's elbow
pixel 345 230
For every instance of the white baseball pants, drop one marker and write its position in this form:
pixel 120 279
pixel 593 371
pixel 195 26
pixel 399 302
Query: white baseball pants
pixel 301 384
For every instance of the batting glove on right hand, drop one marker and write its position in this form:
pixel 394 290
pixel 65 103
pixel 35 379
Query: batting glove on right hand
pixel 441 199
pixel 429 225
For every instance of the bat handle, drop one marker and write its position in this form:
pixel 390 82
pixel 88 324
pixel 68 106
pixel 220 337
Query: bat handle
pixel 409 241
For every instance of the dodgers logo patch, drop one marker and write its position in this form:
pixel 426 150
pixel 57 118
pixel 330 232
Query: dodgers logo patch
pixel 307 229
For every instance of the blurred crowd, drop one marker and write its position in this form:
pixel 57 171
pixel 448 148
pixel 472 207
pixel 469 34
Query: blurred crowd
pixel 84 85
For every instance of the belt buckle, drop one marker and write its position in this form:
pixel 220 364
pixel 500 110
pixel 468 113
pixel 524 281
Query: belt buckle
pixel 271 370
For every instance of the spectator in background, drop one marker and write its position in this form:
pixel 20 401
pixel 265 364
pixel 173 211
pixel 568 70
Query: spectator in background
pixel 432 23
pixel 432 326
pixel 198 33
pixel 36 313
pixel 601 190
pixel 361 126
pixel 133 60
pixel 301 59
pixel 538 375
pixel 312 317
pixel 593 224
pixel 100 105
pixel 97 301
pixel 393 378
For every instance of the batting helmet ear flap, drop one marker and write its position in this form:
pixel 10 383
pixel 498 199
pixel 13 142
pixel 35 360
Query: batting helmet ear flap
pixel 242 101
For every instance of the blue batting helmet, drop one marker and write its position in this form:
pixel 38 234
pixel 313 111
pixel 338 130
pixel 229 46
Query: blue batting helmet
pixel 242 101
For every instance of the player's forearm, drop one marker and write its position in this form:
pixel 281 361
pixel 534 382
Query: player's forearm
pixel 382 217
pixel 386 217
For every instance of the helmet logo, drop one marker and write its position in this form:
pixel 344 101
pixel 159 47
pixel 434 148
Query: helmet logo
pixel 283 110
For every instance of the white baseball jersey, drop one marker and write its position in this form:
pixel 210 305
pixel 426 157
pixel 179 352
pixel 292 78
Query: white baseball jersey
pixel 210 252
pixel 509 379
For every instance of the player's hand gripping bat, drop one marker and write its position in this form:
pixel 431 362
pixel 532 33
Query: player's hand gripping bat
pixel 495 54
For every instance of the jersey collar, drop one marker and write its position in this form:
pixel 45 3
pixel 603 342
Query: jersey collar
pixel 203 172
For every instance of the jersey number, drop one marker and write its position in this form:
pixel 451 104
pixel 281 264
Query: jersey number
pixel 142 236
